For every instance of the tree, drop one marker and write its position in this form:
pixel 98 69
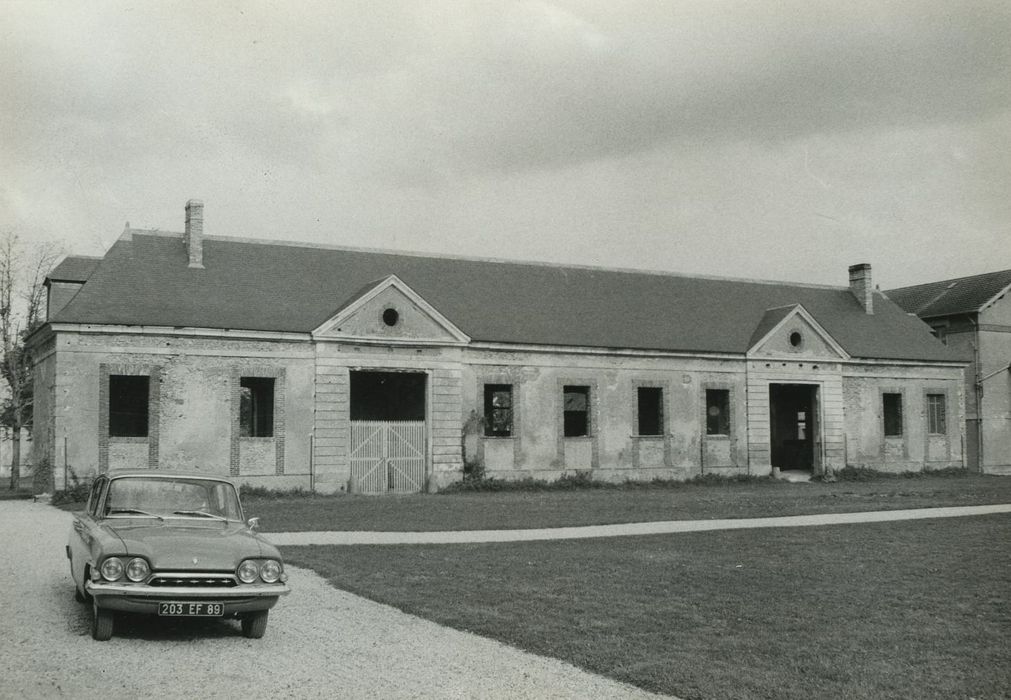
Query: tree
pixel 23 270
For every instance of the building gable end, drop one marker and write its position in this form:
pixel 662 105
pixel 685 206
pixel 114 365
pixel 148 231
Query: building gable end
pixel 390 312
pixel 796 333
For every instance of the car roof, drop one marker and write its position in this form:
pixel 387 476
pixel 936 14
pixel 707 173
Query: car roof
pixel 166 474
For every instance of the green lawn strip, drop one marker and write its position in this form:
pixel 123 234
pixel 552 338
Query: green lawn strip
pixel 904 609
pixel 536 509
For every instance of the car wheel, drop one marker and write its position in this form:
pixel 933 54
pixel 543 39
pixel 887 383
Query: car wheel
pixel 101 624
pixel 81 595
pixel 254 624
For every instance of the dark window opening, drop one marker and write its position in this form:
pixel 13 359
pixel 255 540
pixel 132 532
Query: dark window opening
pixel 650 410
pixel 892 405
pixel 936 420
pixel 796 339
pixel 717 411
pixel 256 406
pixel 390 317
pixel 576 411
pixel 388 396
pixel 128 405
pixel 498 410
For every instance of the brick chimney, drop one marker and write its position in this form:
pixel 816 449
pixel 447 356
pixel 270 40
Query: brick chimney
pixel 194 236
pixel 861 286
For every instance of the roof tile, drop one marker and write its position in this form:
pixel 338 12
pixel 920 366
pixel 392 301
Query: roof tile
pixel 248 285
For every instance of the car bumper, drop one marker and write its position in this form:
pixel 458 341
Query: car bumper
pixel 144 599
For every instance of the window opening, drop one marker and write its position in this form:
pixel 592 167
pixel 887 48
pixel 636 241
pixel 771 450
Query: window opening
pixel 717 412
pixel 892 408
pixel 256 406
pixel 936 419
pixel 650 410
pixel 128 405
pixel 498 410
pixel 390 317
pixel 576 411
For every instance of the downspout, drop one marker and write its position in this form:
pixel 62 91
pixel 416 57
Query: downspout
pixel 977 391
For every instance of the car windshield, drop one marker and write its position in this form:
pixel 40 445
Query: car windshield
pixel 178 497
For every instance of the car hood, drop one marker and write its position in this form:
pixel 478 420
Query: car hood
pixel 189 545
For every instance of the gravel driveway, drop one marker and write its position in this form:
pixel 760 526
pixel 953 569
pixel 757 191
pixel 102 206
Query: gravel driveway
pixel 321 642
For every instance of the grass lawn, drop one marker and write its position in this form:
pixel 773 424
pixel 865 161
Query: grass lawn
pixel 891 610
pixel 533 509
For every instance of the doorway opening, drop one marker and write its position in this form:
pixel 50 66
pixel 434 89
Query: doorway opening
pixel 794 429
pixel 388 435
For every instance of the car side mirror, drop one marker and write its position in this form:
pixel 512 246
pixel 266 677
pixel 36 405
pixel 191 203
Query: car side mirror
pixel 253 523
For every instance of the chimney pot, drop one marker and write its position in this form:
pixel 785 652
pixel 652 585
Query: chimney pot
pixel 194 236
pixel 862 286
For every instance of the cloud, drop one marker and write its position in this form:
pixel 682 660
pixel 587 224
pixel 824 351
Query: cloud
pixel 638 132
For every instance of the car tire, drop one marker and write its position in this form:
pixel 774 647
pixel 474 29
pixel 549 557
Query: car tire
pixel 254 624
pixel 101 624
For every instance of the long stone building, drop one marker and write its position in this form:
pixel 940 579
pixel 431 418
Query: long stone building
pixel 290 365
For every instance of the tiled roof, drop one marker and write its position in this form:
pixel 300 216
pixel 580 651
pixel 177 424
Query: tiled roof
pixel 74 268
pixel 145 280
pixel 948 297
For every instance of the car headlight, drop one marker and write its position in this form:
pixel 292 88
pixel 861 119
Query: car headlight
pixel 137 569
pixel 248 571
pixel 270 572
pixel 112 569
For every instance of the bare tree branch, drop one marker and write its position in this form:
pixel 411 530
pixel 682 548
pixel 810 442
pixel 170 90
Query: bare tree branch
pixel 23 269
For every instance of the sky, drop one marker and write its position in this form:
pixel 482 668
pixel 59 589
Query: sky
pixel 762 140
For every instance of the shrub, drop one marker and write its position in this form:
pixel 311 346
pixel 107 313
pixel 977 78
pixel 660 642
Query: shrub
pixel 473 470
pixel 76 492
pixel 850 473
pixel 583 479
pixel 262 493
pixel 42 476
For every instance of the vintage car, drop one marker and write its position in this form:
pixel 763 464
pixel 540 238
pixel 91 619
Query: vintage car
pixel 174 545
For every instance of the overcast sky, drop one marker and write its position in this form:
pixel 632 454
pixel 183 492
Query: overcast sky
pixel 768 140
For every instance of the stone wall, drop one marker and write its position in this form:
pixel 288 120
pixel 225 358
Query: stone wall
pixel 915 449
pixel 995 388
pixel 613 450
pixel 194 409
pixel 192 420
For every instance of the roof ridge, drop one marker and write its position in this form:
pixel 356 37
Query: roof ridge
pixel 953 280
pixel 483 259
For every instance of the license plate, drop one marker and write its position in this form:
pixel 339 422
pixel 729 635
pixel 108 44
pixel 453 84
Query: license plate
pixel 188 609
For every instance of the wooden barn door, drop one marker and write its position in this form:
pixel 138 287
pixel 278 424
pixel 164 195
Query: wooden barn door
pixel 388 456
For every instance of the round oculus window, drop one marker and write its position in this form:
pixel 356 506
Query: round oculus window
pixel 391 317
pixel 796 339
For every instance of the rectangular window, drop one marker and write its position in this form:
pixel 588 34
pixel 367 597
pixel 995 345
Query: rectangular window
pixel 256 406
pixel 650 410
pixel 498 410
pixel 892 408
pixel 717 411
pixel 936 420
pixel 128 395
pixel 576 411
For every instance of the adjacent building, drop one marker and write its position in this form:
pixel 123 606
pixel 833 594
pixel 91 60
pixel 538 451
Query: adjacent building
pixel 290 365
pixel 972 315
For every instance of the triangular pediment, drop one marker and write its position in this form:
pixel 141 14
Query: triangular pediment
pixel 389 311
pixel 791 331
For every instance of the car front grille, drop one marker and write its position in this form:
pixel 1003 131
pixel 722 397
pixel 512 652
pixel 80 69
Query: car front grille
pixel 182 580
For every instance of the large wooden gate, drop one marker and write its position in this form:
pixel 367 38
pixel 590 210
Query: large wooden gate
pixel 388 456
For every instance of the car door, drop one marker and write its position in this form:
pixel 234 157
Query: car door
pixel 83 532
